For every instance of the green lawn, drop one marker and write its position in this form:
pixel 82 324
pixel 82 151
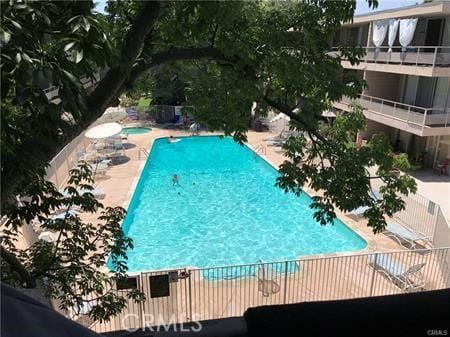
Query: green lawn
pixel 144 102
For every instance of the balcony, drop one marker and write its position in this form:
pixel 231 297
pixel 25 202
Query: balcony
pixel 416 60
pixel 88 83
pixel 410 118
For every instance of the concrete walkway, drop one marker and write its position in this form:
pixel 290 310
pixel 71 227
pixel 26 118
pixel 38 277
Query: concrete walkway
pixel 435 187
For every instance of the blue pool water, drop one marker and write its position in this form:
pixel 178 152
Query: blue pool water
pixel 226 210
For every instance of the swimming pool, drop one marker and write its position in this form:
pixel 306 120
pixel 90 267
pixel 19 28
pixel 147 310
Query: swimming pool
pixel 226 210
pixel 136 130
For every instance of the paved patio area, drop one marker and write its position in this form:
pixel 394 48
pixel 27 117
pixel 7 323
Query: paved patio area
pixel 196 297
pixel 435 187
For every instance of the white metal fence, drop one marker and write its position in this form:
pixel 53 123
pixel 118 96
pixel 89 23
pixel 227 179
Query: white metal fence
pixel 420 214
pixel 190 294
pixel 65 160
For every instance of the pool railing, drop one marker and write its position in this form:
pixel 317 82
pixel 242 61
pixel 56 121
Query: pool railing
pixel 192 294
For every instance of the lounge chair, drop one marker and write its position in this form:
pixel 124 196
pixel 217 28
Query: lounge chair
pixel 280 139
pixel 403 234
pixel 407 279
pixel 48 236
pixel 132 113
pixel 97 192
pixel 359 212
pixel 266 284
pixel 63 215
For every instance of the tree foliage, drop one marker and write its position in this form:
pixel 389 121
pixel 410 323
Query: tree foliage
pixel 230 55
pixel 71 266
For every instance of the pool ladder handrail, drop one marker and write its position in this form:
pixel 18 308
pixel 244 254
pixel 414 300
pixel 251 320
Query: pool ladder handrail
pixel 143 151
pixel 261 149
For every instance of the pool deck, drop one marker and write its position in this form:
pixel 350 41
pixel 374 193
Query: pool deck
pixel 317 279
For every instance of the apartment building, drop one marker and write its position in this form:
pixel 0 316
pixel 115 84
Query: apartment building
pixel 407 69
pixel 88 83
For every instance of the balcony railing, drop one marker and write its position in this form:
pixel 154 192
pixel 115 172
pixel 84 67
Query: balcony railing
pixel 431 117
pixel 413 55
pixel 53 91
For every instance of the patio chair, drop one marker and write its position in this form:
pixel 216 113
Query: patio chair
pixel 443 166
pixel 101 167
pixel 88 156
pixel 266 284
pixel 407 279
pixel 404 235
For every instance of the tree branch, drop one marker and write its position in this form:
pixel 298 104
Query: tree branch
pixel 18 267
pixel 179 54
pixel 109 87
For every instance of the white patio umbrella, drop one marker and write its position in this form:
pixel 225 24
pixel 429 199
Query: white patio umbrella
pixel 328 114
pixel 114 114
pixel 280 116
pixel 48 236
pixel 103 131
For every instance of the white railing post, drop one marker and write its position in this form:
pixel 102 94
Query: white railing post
pixel 56 175
pixel 424 118
pixel 435 56
pixel 285 280
pixel 372 283
pixel 190 294
pixel 417 56
pixel 141 304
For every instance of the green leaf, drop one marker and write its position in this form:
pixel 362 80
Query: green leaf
pixel 86 25
pixel 76 27
pixel 79 56
pixel 27 58
pixel 5 37
pixel 69 45
pixel 16 24
pixel 18 58
pixel 71 77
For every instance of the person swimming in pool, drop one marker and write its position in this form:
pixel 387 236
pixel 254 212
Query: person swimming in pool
pixel 175 180
pixel 173 140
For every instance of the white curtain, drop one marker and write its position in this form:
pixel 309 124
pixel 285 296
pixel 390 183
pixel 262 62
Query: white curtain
pixel 393 29
pixel 380 28
pixel 406 34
